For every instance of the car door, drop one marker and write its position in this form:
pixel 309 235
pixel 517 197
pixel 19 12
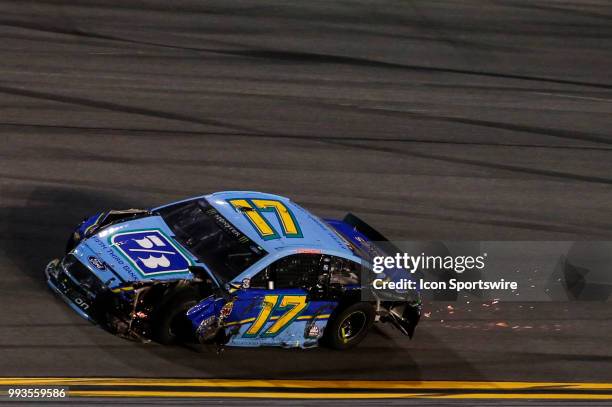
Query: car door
pixel 284 304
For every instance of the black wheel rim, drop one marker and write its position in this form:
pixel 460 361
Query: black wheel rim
pixel 352 325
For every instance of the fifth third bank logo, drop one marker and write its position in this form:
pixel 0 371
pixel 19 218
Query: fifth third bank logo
pixel 151 252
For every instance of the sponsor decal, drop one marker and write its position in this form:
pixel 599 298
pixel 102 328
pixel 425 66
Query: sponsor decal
pixel 313 331
pixel 151 252
pixel 226 310
pixel 97 263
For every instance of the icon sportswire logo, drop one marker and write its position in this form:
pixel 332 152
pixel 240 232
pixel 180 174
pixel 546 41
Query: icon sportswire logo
pixel 151 252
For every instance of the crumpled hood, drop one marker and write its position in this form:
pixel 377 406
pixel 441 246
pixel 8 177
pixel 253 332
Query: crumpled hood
pixel 136 250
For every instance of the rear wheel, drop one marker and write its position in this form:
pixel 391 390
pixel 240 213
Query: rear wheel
pixel 350 326
pixel 171 325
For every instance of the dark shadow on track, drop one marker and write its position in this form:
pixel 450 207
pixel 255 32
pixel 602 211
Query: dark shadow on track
pixel 38 231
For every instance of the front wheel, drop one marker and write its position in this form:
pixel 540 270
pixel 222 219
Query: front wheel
pixel 350 326
pixel 171 325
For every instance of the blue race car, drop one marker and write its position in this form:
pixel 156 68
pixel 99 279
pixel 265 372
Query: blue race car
pixel 237 268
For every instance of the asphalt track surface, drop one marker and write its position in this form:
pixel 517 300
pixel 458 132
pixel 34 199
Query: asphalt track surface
pixel 431 120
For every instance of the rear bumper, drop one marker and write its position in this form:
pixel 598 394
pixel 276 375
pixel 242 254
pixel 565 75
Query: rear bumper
pixel 402 315
pixel 67 290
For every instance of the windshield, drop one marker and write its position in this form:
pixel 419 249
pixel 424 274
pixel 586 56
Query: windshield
pixel 211 238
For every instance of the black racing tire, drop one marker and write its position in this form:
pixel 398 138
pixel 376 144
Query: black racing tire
pixel 170 323
pixel 349 326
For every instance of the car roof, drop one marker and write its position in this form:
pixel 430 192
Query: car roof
pixel 315 234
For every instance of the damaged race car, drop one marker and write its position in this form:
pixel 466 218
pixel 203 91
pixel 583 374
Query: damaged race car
pixel 235 268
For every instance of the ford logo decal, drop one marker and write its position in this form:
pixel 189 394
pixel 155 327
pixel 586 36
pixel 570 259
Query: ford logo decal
pixel 97 263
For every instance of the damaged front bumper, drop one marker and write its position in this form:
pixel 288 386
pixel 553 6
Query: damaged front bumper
pixel 115 310
pixel 68 290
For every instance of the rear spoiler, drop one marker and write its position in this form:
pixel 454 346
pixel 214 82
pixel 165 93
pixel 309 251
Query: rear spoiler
pixel 371 234
pixel 400 314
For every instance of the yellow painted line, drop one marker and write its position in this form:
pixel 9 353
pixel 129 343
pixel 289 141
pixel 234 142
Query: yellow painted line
pixel 305 384
pixel 540 396
pixel 219 394
pixel 288 395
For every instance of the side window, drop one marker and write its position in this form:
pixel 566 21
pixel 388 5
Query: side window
pixel 260 280
pixel 345 272
pixel 295 271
